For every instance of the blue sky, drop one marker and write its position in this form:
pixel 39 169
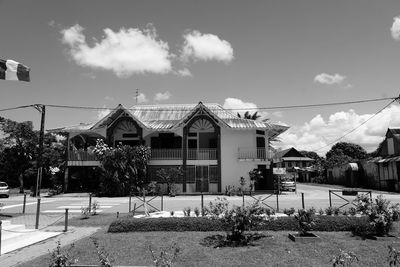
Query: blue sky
pixel 237 53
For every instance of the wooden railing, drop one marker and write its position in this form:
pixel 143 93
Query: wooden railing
pixel 162 154
pixel 156 154
pixel 202 154
pixel 81 155
pixel 254 153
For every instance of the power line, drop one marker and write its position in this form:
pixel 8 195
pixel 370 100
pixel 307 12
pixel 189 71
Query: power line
pixel 143 108
pixel 7 109
pixel 354 129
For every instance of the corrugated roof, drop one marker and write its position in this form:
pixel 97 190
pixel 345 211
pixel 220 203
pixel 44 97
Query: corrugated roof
pixel 167 116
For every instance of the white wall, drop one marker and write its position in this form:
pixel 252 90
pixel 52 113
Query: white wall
pixel 231 168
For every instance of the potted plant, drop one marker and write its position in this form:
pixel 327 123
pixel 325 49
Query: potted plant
pixel 305 218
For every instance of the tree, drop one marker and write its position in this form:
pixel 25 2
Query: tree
pixel 19 150
pixel 342 153
pixel 123 168
pixel 170 176
pixel 249 116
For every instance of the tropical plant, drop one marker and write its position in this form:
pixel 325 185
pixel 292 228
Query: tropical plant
pixel 237 219
pixel 104 258
pixel 305 220
pixel 59 258
pixel 123 168
pixel 249 116
pixel 170 176
pixel 394 256
pixel 165 258
pixel 95 207
pixel 344 258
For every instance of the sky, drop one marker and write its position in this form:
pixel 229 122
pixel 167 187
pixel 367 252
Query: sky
pixel 240 54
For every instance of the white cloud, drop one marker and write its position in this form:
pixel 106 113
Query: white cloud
pixel 185 72
pixel 142 98
pixel 162 96
pixel 125 52
pixel 238 106
pixel 395 30
pixel 329 79
pixel 102 113
pixel 319 132
pixel 199 46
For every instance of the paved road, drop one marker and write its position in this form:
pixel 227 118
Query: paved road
pixel 316 196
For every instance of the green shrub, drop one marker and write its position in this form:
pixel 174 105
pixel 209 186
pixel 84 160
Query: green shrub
pixel 329 211
pixel 289 212
pixel 204 224
pixel 305 220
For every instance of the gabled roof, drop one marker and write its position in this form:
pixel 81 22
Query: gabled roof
pixel 169 116
pixel 292 154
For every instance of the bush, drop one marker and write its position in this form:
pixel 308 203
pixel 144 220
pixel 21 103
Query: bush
pixel 305 220
pixel 205 224
pixel 289 212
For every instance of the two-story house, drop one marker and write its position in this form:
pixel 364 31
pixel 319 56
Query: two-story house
pixel 212 145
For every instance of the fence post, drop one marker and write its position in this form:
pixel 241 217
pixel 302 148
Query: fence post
pixel 117 214
pixel 202 204
pixel 130 202
pixel 66 221
pixel 370 195
pixel 162 202
pixel 37 213
pixel 134 210
pixel 277 202
pixel 23 207
pixel 90 202
pixel 330 199
pixel 243 199
pixel 1 229
pixel 302 200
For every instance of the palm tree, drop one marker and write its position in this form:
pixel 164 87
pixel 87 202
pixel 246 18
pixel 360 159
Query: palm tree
pixel 249 116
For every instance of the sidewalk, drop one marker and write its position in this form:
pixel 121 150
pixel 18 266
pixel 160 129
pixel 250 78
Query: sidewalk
pixel 43 247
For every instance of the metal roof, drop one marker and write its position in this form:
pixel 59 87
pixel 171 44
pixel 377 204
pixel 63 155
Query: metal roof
pixel 166 116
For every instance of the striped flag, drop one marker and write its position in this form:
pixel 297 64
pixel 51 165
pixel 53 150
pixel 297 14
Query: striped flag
pixel 12 70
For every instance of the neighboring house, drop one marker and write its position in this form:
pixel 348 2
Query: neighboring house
pixel 290 158
pixel 212 145
pixel 381 172
pixel 296 164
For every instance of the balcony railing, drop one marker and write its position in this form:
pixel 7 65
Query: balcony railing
pixel 162 154
pixel 254 154
pixel 81 155
pixel 202 154
pixel 156 154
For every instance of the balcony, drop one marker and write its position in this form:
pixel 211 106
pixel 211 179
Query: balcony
pixel 156 154
pixel 202 154
pixel 166 154
pixel 254 154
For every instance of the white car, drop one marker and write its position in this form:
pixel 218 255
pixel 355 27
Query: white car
pixel 4 191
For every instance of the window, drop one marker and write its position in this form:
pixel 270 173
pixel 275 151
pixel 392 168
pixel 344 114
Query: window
pixel 260 132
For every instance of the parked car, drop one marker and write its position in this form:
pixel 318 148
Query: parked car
pixel 288 185
pixel 4 190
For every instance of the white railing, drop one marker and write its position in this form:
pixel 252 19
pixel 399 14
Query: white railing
pixel 254 153
pixel 81 155
pixel 202 154
pixel 161 154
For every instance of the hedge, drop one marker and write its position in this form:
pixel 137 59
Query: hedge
pixel 204 224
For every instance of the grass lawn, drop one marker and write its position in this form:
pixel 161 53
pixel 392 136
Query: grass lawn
pixel 273 250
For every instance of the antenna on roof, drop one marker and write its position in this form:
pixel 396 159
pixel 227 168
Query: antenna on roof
pixel 137 95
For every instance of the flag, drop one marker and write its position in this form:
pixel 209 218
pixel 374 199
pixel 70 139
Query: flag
pixel 12 70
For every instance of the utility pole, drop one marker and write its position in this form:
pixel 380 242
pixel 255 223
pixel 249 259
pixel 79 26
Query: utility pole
pixel 39 162
pixel 137 95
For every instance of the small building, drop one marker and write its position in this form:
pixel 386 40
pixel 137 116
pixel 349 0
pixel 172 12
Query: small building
pixel 296 164
pixel 211 144
pixel 381 172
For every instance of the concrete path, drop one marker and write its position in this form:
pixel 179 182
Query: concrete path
pixel 26 254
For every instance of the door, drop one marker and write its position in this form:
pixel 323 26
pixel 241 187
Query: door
pixel 202 179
